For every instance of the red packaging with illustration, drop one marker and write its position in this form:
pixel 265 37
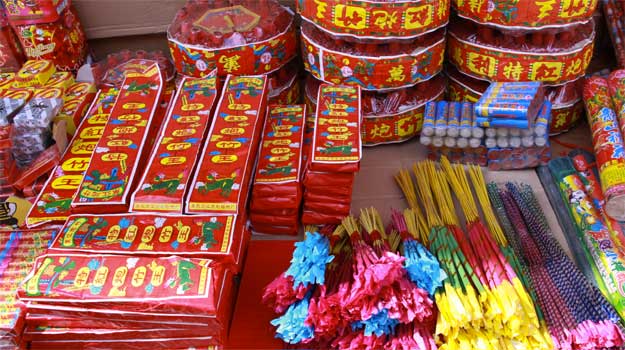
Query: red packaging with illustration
pixel 133 284
pixel 223 176
pixel 241 37
pixel 277 182
pixel 111 174
pixel 368 20
pixel 371 66
pixel 164 183
pixel 11 55
pixel 526 14
pixel 552 56
pixel 608 144
pixel 78 98
pixel 337 143
pixel 203 236
pixel 394 116
pixel 49 30
pixel 54 202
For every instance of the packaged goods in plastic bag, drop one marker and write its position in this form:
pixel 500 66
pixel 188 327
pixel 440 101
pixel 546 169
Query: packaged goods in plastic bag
pixel 111 71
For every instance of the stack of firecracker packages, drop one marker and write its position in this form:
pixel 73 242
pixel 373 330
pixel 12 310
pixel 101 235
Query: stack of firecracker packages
pixel 507 128
pixel 511 41
pixel 393 51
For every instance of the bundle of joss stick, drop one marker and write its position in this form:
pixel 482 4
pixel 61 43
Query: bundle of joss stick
pixel 355 286
pixel 577 315
pixel 484 303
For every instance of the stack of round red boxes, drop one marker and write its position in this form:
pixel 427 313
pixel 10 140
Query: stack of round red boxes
pixel 392 50
pixel 238 37
pixel 523 40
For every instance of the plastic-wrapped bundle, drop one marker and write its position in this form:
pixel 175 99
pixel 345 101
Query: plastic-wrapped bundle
pixel 49 30
pixel 552 56
pixel 241 37
pixel 566 99
pixel 110 72
pixel 284 85
pixel 11 55
pixel 518 158
pixel 385 66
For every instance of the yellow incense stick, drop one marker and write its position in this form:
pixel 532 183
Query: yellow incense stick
pixel 407 186
pixel 479 184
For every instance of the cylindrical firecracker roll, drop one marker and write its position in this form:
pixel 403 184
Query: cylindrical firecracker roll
pixel 526 14
pixel 49 31
pixel 614 11
pixel 372 66
pixel 616 86
pixel 608 144
pixel 239 37
pixel 390 117
pixel 566 99
pixel 369 20
pixel 553 56
pixel 111 71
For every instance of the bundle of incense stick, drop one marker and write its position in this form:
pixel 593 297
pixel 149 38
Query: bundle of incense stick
pixel 483 300
pixel 577 315
pixel 332 297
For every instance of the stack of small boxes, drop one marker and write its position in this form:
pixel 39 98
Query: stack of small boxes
pixel 335 155
pixel 508 128
pixel 277 191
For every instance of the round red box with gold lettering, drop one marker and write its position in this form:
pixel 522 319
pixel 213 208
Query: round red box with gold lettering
pixel 375 20
pixel 241 37
pixel 372 66
pixel 526 13
pixel 390 117
pixel 567 104
pixel 553 56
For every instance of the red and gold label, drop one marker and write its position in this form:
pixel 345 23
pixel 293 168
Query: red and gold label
pixel 220 184
pixel 171 164
pixel 172 283
pixel 373 73
pixel 379 20
pixel 257 58
pixel 280 158
pixel 526 13
pixel 336 138
pixel 114 162
pixel 149 234
pixel 53 204
pixel 500 65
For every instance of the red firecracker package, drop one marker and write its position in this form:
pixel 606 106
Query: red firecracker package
pixel 54 203
pixel 42 165
pixel 164 183
pixel 476 155
pixel 11 55
pixel 111 71
pixel 371 66
pixel 188 343
pixel 134 284
pixel 49 30
pixel 552 56
pixel 78 98
pixel 223 176
pixel 566 99
pixel 277 184
pixel 390 117
pixel 284 85
pixel 214 237
pixel 518 158
pixel 111 174
pixel 337 139
pixel 367 20
pixel 527 14
pixel 241 37
pixel 20 249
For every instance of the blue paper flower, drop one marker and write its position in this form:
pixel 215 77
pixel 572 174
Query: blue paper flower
pixel 292 328
pixel 422 267
pixel 310 258
pixel 379 324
